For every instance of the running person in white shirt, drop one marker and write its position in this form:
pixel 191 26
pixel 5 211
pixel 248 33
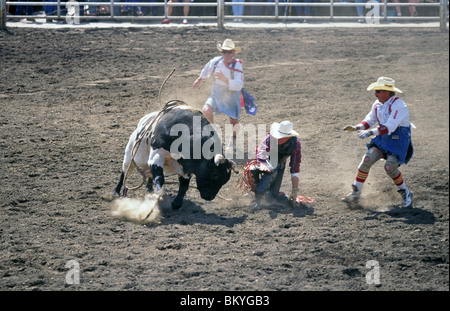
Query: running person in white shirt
pixel 392 140
pixel 226 89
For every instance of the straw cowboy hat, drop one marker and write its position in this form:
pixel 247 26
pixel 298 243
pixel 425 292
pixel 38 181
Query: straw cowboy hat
pixel 384 84
pixel 228 45
pixel 283 129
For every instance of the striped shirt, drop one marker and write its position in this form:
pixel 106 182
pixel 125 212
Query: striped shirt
pixel 295 156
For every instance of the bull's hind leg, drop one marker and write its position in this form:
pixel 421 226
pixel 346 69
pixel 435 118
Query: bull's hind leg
pixel 122 178
pixel 119 184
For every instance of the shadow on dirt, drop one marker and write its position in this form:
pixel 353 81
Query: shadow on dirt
pixel 299 210
pixel 192 213
pixel 412 216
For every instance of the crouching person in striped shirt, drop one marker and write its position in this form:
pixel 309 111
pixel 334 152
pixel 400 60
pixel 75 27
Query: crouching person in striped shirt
pixel 392 140
pixel 280 144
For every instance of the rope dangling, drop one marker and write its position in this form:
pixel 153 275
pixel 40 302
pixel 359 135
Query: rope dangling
pixel 147 133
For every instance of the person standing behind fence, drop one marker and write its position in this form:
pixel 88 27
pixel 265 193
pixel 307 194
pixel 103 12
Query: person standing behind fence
pixel 228 82
pixel 24 10
pixel 392 140
pixel 150 10
pixel 170 9
pixel 238 10
pixel 255 10
pixel 49 9
pixel 133 10
pixel 303 10
pixel 412 9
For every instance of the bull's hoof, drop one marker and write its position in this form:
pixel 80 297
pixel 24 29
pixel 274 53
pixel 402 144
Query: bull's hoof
pixel 149 189
pixel 176 205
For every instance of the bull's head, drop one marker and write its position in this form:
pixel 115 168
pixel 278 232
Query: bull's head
pixel 214 176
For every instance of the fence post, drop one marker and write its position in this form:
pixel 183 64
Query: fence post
pixel 3 15
pixel 220 13
pixel 111 9
pixel 331 10
pixel 442 15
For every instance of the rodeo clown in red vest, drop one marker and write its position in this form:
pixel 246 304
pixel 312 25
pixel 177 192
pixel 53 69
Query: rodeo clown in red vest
pixel 392 140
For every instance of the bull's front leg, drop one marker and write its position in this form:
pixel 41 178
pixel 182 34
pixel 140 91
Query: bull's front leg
pixel 156 164
pixel 184 186
pixel 158 177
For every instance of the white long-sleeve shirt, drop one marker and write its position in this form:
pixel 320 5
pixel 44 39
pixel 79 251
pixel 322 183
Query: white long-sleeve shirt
pixel 235 84
pixel 390 114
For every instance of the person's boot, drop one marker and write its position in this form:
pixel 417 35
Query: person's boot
pixel 352 197
pixel 406 197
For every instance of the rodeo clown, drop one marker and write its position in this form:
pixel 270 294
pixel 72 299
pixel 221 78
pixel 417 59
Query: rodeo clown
pixel 264 175
pixel 228 82
pixel 392 140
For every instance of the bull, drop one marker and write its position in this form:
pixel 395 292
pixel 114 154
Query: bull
pixel 180 141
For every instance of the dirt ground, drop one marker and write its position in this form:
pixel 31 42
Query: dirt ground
pixel 70 98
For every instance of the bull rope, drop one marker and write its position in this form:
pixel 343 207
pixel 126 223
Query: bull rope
pixel 147 133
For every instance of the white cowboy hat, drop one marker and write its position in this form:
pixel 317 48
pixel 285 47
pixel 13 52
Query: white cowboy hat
pixel 283 129
pixel 384 84
pixel 228 45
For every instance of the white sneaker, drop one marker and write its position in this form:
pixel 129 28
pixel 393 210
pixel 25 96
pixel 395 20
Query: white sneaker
pixel 406 197
pixel 185 21
pixel 352 197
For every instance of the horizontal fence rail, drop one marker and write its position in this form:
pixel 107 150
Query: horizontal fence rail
pixel 77 11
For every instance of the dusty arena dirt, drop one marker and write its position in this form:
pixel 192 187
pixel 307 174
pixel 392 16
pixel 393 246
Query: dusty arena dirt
pixel 70 98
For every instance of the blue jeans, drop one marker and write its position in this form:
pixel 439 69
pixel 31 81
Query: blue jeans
pixel 238 10
pixel 21 8
pixel 303 10
pixel 150 9
pixel 271 181
pixel 49 9
pixel 118 8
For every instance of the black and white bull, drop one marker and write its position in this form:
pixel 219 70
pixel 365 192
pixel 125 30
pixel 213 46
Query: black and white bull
pixel 181 141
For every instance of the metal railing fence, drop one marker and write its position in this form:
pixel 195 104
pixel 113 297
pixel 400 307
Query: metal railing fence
pixel 279 9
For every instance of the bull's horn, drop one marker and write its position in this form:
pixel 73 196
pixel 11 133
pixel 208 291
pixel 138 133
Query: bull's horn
pixel 234 167
pixel 219 159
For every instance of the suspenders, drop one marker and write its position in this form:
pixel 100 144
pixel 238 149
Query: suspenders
pixel 232 70
pixel 390 109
